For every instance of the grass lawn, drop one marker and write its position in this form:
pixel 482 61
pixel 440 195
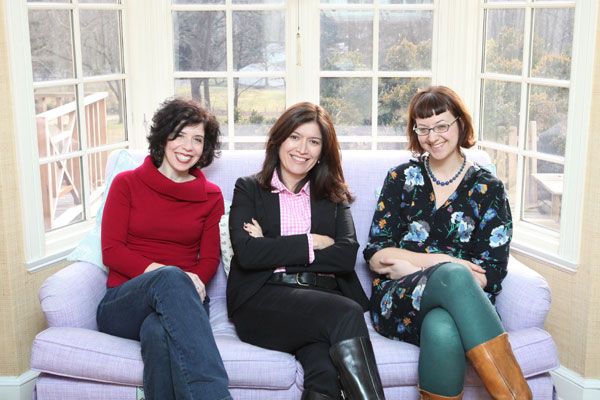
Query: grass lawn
pixel 268 102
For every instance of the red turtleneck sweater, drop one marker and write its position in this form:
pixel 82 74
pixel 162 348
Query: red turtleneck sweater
pixel 149 218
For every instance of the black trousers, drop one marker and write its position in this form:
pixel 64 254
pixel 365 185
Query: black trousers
pixel 304 322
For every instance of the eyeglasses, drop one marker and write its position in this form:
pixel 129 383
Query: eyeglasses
pixel 441 128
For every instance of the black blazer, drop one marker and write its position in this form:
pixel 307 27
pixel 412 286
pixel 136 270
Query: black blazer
pixel 255 258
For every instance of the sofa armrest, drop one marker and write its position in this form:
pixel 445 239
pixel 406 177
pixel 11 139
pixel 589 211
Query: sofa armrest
pixel 70 297
pixel 525 298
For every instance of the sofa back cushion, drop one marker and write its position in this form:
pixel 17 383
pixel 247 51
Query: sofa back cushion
pixel 364 172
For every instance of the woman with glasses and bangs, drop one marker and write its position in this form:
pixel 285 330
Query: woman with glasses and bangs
pixel 439 242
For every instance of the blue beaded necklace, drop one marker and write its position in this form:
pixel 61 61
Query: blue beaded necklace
pixel 433 178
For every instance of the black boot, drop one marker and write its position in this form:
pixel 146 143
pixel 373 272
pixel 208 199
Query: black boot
pixel 311 395
pixel 356 364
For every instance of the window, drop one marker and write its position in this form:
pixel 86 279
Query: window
pixel 527 118
pixel 237 57
pixel 79 116
pixel 522 67
pixel 231 56
pixel 374 56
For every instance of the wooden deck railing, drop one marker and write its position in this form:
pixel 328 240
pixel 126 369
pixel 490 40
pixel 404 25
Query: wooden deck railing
pixel 58 136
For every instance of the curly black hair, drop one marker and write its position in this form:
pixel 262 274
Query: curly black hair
pixel 175 114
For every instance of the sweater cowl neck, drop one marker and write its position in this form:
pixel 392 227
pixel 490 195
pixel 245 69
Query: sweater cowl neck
pixel 194 190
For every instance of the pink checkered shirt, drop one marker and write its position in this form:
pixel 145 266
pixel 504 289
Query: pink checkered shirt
pixel 295 213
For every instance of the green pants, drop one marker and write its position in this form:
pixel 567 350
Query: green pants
pixel 457 316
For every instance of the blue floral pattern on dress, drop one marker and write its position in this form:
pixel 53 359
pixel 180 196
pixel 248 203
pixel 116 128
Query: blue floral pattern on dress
pixel 418 231
pixel 499 237
pixel 414 177
pixel 473 224
pixel 416 295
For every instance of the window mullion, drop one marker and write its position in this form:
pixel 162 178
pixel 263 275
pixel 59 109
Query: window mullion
pixel 523 116
pixel 375 77
pixel 309 70
pixel 21 76
pixel 292 48
pixel 81 115
pixel 230 92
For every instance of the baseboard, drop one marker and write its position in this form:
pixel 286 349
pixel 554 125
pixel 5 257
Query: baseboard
pixel 18 387
pixel 572 386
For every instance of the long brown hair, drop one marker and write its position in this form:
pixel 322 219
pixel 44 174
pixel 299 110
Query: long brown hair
pixel 436 100
pixel 326 177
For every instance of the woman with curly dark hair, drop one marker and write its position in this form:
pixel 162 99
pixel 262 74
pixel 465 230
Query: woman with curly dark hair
pixel 160 241
pixel 292 285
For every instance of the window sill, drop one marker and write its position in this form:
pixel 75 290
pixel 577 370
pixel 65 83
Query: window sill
pixel 34 266
pixel 59 244
pixel 542 246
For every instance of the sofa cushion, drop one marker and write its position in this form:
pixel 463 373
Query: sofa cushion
pixel 86 354
pixel 91 355
pixel 398 361
pixel 247 365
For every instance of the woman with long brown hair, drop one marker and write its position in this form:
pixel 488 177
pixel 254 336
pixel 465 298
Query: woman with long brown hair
pixel 292 285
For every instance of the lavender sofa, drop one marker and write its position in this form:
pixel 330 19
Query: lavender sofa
pixel 78 362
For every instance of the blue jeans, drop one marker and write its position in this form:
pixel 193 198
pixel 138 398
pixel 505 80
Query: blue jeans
pixel 162 309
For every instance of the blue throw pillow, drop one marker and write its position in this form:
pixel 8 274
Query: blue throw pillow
pixel 490 167
pixel 90 248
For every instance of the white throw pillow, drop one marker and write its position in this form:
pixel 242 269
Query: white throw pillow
pixel 90 248
pixel 226 249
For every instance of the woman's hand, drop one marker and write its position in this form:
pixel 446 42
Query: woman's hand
pixel 321 242
pixel 153 266
pixel 198 284
pixel 253 229
pixel 394 268
pixel 480 278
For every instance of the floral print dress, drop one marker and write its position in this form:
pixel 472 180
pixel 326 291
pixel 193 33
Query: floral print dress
pixel 474 224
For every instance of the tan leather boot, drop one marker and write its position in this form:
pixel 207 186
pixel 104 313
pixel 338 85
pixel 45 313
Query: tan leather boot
pixel 430 396
pixel 496 365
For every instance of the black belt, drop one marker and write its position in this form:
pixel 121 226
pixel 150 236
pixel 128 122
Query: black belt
pixel 304 279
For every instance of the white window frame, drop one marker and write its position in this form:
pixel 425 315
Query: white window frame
pixel 44 248
pixel 314 9
pixel 457 53
pixel 560 249
pixel 229 139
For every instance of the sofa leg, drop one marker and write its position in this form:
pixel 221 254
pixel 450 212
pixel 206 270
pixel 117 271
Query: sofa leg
pixel 496 365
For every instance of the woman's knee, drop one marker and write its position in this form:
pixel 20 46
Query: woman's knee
pixel 173 277
pixel 452 276
pixel 349 320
